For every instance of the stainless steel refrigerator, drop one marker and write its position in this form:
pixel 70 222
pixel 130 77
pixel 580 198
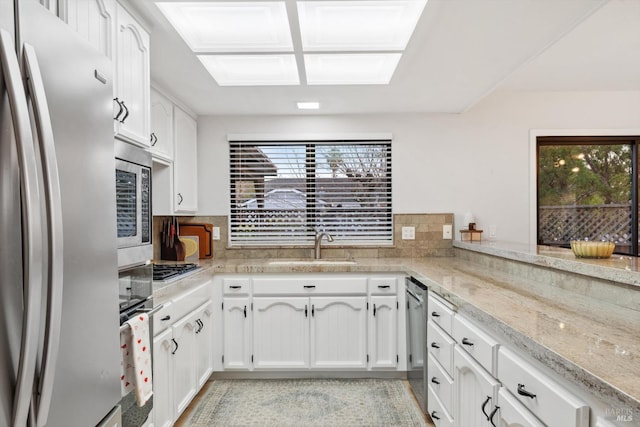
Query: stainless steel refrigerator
pixel 59 327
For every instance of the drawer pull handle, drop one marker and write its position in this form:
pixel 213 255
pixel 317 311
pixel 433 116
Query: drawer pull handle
pixel 435 380
pixel 384 286
pixel 435 345
pixel 309 286
pixel 435 314
pixel 245 311
pixel 434 415
pixel 313 310
pixel 492 414
pixel 176 343
pixel 374 310
pixel 306 310
pixel 235 287
pixel 523 392
pixel 165 318
pixel 466 341
pixel 484 405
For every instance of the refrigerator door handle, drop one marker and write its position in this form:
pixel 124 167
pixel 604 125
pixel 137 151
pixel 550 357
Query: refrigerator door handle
pixel 31 230
pixel 53 200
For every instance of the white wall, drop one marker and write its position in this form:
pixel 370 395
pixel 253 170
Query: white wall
pixel 478 161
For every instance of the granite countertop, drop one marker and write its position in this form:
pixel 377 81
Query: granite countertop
pixel 592 343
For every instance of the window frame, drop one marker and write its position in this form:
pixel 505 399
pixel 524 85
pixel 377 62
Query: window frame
pixel 311 182
pixel 571 140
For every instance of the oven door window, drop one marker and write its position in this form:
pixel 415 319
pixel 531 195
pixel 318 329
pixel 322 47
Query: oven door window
pixel 127 202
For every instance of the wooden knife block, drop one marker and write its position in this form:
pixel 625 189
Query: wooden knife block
pixel 172 253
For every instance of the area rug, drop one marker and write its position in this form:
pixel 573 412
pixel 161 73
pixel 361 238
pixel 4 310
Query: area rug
pixel 306 402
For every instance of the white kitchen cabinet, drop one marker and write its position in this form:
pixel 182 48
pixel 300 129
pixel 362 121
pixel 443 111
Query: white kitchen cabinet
pixel 237 333
pixel 163 346
pixel 383 331
pixel 204 343
pixel 185 162
pixel 338 332
pixel 132 80
pixel 184 368
pixel 281 333
pixel 93 20
pixel 161 137
pixel 475 391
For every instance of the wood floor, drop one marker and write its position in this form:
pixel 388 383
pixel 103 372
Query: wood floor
pixel 183 420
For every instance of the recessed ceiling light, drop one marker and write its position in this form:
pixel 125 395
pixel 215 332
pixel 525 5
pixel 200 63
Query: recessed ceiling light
pixel 252 70
pixel 356 68
pixel 358 25
pixel 231 26
pixel 308 105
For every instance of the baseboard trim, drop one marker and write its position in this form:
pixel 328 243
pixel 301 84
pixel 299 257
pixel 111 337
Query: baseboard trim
pixel 271 375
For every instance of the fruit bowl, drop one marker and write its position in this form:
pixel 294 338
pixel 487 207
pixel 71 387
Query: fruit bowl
pixel 586 249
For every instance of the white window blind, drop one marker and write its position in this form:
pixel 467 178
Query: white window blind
pixel 283 192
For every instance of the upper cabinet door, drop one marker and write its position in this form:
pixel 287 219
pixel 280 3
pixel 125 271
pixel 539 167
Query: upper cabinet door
pixel 132 83
pixel 185 162
pixel 161 126
pixel 93 20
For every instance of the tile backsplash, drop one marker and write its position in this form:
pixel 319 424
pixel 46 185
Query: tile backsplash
pixel 428 241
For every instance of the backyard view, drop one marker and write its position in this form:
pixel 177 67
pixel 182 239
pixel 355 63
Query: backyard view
pixel 585 192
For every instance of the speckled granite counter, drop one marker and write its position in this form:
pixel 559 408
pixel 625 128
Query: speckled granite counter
pixel 591 342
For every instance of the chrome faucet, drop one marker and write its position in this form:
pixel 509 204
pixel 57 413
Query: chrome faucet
pixel 319 236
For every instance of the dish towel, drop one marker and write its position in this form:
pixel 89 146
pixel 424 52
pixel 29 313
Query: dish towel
pixel 136 359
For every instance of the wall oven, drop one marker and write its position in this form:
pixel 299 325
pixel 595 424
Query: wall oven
pixel 133 205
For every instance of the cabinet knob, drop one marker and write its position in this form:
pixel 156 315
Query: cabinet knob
pixel 176 343
pixel 523 392
pixel 126 114
pixel 492 414
pixel 484 405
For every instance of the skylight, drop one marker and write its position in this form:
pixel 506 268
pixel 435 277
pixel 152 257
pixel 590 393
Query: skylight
pixel 252 70
pixel 358 25
pixel 231 26
pixel 342 42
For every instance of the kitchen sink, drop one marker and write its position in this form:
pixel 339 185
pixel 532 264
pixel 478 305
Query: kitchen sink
pixel 312 262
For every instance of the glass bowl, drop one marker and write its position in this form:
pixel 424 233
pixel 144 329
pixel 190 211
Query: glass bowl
pixel 587 249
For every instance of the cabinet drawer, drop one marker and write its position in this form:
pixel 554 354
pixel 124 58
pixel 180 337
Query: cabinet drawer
pixel 546 398
pixel 440 346
pixel 478 344
pixel 441 383
pixel 440 312
pixel 512 412
pixel 236 286
pixel 189 300
pixel 383 285
pixel 439 415
pixel 163 318
pixel 310 286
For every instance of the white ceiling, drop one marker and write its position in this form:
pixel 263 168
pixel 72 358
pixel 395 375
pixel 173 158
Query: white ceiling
pixel 460 52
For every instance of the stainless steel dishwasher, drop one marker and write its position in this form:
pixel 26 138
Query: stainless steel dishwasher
pixel 417 339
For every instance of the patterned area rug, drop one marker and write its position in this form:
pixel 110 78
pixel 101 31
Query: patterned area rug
pixel 307 402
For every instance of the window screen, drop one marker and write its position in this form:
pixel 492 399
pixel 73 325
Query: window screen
pixel 283 192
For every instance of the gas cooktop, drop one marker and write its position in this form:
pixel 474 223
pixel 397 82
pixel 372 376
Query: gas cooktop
pixel 170 272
